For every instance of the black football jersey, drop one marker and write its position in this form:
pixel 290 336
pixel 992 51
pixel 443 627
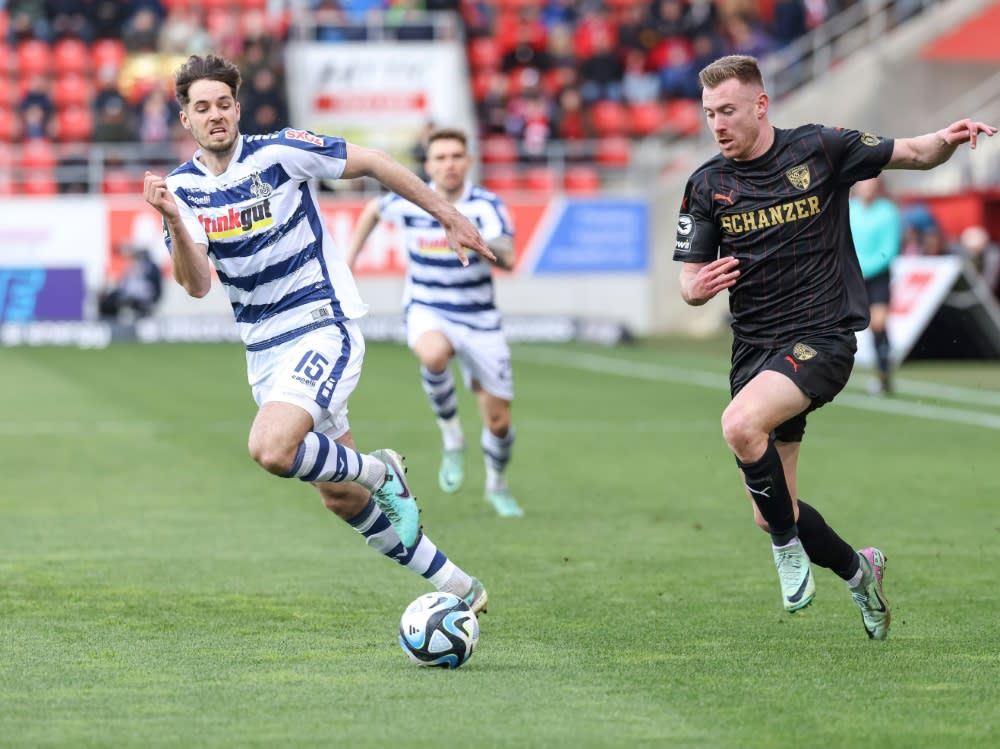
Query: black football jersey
pixel 785 216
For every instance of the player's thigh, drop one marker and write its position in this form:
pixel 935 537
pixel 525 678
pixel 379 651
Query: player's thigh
pixel 433 349
pixel 484 357
pixel 316 372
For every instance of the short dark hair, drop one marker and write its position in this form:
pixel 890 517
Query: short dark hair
pixel 210 68
pixel 448 133
pixel 744 68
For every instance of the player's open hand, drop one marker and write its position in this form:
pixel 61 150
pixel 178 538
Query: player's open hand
pixel 154 190
pixel 463 235
pixel 711 278
pixel 966 131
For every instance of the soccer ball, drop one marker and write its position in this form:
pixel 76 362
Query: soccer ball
pixel 438 629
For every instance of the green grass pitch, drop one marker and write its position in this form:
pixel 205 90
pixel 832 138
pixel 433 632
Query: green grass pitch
pixel 157 589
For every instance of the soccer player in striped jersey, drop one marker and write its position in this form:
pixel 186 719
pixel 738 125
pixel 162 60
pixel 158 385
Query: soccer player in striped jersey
pixel 450 311
pixel 767 219
pixel 246 205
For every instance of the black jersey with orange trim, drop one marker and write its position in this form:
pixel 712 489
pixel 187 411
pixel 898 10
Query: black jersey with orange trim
pixel 785 216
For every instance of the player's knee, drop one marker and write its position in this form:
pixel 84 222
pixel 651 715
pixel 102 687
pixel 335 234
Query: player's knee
pixel 498 422
pixel 737 427
pixel 435 361
pixel 271 456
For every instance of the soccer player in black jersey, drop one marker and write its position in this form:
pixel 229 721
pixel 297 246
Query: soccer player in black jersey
pixel 768 220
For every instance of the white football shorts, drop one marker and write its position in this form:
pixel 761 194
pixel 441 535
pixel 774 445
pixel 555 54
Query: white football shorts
pixel 317 372
pixel 483 355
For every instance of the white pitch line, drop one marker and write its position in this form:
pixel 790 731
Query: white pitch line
pixel 698 378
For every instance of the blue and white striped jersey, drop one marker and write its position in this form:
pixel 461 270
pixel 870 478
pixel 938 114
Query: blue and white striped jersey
pixel 435 277
pixel 266 236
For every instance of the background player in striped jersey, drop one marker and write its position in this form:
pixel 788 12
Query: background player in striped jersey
pixel 767 218
pixel 450 311
pixel 247 205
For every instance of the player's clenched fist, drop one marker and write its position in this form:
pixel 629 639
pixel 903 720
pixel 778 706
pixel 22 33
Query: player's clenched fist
pixel 154 190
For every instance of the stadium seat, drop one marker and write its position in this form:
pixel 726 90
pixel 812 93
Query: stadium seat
pixel 39 182
pixel 646 118
pixel 34 57
pixel 6 58
pixel 107 52
pixel 582 180
pixel 9 91
pixel 499 149
pixel 70 56
pixel 614 150
pixel 609 118
pixel 9 125
pixel 6 182
pixel 684 116
pixel 540 179
pixel 74 124
pixel 71 90
pixel 253 4
pixel 37 154
pixel 500 179
pixel 484 53
pixel 120 182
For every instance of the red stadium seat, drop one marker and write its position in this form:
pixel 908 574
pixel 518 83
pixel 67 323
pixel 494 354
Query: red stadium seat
pixel 684 116
pixel 500 179
pixel 646 118
pixel 9 90
pixel 70 56
pixel 582 180
pixel 71 90
pixel 34 57
pixel 540 179
pixel 253 4
pixel 37 154
pixel 74 124
pixel 499 149
pixel 120 182
pixel 9 125
pixel 6 59
pixel 110 52
pixel 39 182
pixel 609 118
pixel 6 182
pixel 484 53
pixel 615 150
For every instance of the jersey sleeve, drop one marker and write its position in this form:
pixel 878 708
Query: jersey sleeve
pixel 191 222
pixel 308 155
pixel 857 155
pixel 697 234
pixel 496 222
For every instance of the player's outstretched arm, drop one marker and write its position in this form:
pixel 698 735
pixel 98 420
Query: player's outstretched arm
pixel 702 281
pixel 365 225
pixel 461 233
pixel 189 260
pixel 933 149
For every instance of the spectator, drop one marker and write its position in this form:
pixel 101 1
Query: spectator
pixel 638 83
pixel 140 31
pixel 155 117
pixel 933 243
pixel 975 245
pixel 264 107
pixel 601 73
pixel 113 125
pixel 138 290
pixel 68 19
pixel 182 34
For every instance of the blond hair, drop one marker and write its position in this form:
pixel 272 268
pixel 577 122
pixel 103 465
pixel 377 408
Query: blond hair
pixel 743 68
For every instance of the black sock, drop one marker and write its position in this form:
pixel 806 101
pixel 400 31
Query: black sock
pixel 765 478
pixel 823 545
pixel 882 352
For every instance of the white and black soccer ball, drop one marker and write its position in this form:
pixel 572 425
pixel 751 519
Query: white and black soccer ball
pixel 438 629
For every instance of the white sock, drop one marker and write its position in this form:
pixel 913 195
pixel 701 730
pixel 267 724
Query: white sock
pixel 372 474
pixel 451 433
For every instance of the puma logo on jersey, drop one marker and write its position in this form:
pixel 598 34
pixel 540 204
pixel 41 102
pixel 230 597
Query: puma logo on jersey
pixel 723 198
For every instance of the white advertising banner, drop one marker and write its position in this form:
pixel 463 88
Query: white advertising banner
pixel 378 94
pixel 68 232
pixel 920 286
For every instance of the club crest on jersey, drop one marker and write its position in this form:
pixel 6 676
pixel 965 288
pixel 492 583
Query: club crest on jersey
pixel 802 352
pixel 799 176
pixel 259 188
pixel 869 139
